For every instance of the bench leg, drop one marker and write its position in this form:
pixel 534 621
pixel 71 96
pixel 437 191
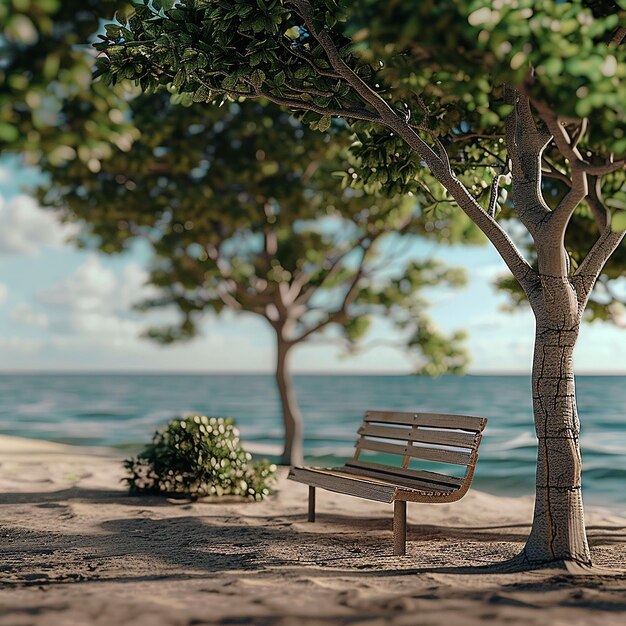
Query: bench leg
pixel 311 517
pixel 399 528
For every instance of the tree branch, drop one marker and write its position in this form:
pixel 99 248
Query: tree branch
pixel 357 114
pixel 332 270
pixel 316 68
pixel 551 171
pixel 525 145
pixel 387 114
pixel 228 299
pixel 569 147
pixel 348 298
pixel 594 197
pixel 495 191
pixel 388 117
pixel 238 297
pixel 604 168
pixel 561 215
pixel 600 211
pixel 312 90
pixel 597 257
pixel 580 131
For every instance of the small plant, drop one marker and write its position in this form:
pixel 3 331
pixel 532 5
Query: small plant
pixel 199 456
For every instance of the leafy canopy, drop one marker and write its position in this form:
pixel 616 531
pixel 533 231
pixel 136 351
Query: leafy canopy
pixel 441 65
pixel 242 209
pixel 455 53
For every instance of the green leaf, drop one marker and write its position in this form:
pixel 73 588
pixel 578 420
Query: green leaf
pixel 230 82
pixel 302 72
pixel 618 222
pixel 8 132
pixel 324 123
pixel 179 79
pixel 201 94
pixel 257 77
pixel 256 58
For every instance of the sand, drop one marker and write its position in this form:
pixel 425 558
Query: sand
pixel 77 550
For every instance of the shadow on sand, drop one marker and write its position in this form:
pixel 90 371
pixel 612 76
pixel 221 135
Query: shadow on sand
pixel 211 539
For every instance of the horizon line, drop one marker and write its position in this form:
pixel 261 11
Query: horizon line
pixel 156 372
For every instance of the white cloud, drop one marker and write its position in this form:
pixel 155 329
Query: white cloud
pixel 3 293
pixel 91 287
pixel 92 325
pixel 26 226
pixel 25 315
pixel 21 344
pixel 94 302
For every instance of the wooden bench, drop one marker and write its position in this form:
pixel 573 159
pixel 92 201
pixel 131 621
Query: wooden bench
pixel 446 439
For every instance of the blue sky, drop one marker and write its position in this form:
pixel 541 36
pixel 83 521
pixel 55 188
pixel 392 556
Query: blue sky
pixel 64 309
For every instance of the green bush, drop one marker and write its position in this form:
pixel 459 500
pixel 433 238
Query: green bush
pixel 198 456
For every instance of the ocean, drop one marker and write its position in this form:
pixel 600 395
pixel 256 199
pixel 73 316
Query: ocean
pixel 122 411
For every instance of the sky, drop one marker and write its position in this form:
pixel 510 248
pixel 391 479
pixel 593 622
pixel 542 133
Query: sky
pixel 63 309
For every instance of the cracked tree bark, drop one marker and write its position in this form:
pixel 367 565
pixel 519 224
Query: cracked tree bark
pixel 558 530
pixel 293 452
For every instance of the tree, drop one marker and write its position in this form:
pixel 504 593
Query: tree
pixel 607 299
pixel 242 213
pixel 504 91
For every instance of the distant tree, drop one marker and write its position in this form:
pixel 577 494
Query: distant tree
pixel 469 94
pixel 242 212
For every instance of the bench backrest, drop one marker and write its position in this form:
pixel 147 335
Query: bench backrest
pixel 446 439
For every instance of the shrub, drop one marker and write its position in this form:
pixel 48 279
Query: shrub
pixel 199 456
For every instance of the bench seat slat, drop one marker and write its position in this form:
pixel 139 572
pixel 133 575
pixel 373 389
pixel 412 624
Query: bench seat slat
pixel 334 479
pixel 455 457
pixel 460 422
pixel 398 479
pixel 406 484
pixel 445 438
pixel 389 470
pixel 368 490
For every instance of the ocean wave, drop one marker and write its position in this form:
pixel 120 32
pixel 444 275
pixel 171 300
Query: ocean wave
pixel 124 411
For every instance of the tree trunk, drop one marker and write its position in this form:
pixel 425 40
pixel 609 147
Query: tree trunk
pixel 293 453
pixel 558 531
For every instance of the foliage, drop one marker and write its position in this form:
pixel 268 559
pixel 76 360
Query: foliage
pixel 199 456
pixel 242 210
pixel 44 60
pixel 459 53
pixel 208 48
pixel 229 227
pixel 441 65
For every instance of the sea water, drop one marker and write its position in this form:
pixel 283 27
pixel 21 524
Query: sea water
pixel 123 411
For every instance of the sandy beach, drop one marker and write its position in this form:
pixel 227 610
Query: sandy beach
pixel 77 550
